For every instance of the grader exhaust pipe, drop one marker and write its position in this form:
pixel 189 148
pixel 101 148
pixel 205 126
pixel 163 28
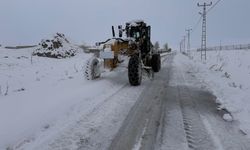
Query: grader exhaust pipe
pixel 113 31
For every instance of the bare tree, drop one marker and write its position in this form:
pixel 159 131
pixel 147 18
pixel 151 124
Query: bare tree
pixel 166 46
pixel 156 46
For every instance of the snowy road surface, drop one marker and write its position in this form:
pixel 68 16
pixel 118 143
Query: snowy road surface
pixel 191 119
pixel 172 112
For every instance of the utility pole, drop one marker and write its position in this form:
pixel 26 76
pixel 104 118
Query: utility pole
pixel 180 45
pixel 188 45
pixel 184 43
pixel 220 45
pixel 204 30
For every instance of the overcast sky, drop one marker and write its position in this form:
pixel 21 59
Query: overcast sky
pixel 90 21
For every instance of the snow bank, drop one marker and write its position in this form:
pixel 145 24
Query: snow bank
pixel 57 47
pixel 35 91
pixel 227 75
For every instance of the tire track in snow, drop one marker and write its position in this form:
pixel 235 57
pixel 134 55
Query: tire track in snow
pixel 139 130
pixel 196 132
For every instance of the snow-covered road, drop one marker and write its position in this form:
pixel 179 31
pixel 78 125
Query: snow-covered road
pixel 139 130
pixel 177 112
pixel 49 105
pixel 192 120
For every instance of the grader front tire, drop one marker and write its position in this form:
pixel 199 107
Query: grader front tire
pixel 92 69
pixel 135 70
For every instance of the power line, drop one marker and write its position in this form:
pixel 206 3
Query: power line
pixel 191 30
pixel 197 24
pixel 201 17
pixel 213 6
pixel 199 20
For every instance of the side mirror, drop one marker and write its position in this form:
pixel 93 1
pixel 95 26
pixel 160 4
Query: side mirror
pixel 120 30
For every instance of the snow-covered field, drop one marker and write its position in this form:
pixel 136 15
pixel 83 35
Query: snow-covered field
pixel 40 96
pixel 34 91
pixel 227 75
pixel 44 101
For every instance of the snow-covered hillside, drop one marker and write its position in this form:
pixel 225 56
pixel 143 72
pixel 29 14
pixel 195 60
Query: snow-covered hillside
pixel 227 75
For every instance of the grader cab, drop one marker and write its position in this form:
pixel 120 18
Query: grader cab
pixel 136 45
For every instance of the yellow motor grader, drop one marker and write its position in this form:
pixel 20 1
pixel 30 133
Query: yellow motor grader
pixel 136 45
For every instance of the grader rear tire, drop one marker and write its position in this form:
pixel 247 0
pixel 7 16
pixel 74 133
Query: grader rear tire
pixel 135 70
